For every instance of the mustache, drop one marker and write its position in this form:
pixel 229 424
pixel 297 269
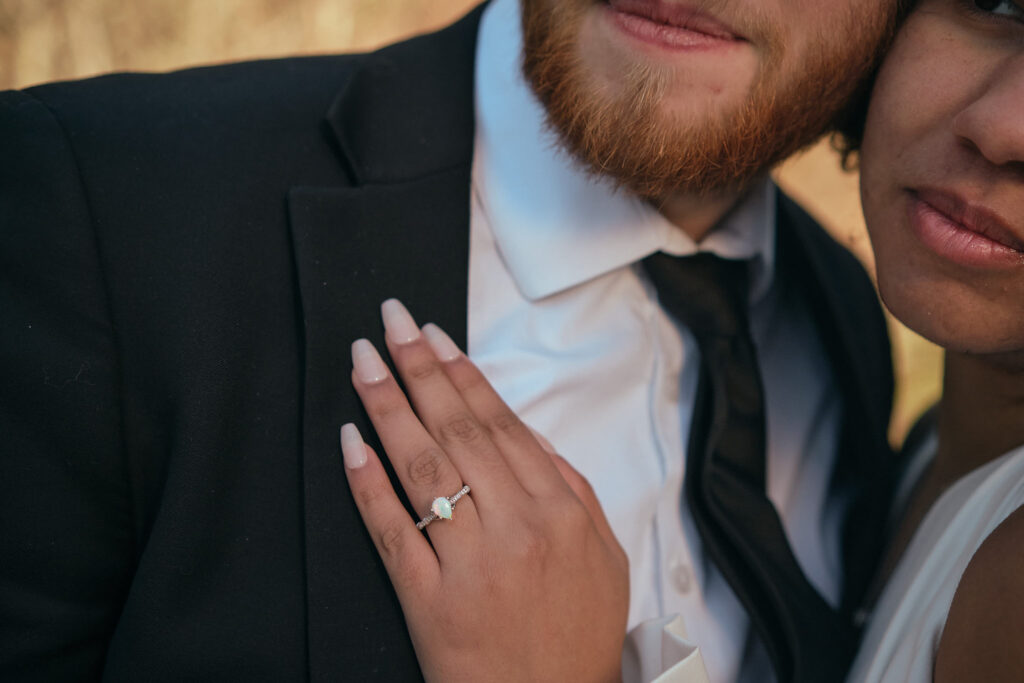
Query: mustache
pixel 631 137
pixel 750 21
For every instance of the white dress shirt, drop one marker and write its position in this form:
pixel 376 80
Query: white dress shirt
pixel 568 329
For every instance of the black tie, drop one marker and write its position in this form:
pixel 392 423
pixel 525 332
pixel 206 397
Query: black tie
pixel 805 638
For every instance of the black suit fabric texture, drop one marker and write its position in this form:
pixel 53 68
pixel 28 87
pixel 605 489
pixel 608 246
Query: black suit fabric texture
pixel 184 260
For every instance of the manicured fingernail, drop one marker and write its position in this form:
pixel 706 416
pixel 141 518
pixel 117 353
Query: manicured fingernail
pixel 369 366
pixel 398 324
pixel 542 440
pixel 353 450
pixel 443 346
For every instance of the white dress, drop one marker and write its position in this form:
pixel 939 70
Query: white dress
pixel 903 634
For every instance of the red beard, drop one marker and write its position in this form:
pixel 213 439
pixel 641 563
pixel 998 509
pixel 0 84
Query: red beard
pixel 630 139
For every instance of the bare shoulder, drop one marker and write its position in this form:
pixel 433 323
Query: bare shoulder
pixel 984 635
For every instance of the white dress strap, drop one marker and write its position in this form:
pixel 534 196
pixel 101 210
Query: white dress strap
pixel 903 635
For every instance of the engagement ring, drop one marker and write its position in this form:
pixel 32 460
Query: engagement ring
pixel 442 508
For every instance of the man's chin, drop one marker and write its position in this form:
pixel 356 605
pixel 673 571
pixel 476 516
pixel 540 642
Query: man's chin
pixel 661 122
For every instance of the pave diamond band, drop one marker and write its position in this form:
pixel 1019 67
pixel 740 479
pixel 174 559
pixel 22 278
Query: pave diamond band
pixel 441 508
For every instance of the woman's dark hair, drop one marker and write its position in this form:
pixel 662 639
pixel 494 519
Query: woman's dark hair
pixel 849 126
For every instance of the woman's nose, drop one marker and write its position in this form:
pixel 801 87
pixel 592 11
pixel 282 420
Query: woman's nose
pixel 993 121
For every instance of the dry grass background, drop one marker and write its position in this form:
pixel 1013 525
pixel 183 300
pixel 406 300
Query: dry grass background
pixel 43 40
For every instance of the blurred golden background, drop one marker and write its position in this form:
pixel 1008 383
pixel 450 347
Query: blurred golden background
pixel 44 40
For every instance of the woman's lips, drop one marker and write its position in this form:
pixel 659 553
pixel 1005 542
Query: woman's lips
pixel 964 233
pixel 670 25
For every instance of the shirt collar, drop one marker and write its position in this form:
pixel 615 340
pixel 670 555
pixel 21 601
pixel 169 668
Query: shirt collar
pixel 557 226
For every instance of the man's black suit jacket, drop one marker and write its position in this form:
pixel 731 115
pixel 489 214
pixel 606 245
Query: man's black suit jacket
pixel 184 260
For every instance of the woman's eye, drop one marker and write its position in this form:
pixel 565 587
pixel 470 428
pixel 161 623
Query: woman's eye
pixel 1005 8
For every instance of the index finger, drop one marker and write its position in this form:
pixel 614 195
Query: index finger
pixel 524 454
pixel 408 558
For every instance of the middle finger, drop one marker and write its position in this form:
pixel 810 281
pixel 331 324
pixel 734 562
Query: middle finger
pixel 442 409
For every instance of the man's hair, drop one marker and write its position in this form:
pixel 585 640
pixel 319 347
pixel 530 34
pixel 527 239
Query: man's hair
pixel 848 132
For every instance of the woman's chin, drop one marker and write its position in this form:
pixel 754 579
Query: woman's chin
pixel 945 318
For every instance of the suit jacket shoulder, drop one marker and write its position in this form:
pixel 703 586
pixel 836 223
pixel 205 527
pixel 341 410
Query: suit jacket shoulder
pixel 185 259
pixel 59 495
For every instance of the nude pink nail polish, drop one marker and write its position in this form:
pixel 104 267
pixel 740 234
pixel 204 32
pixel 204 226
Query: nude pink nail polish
pixel 444 348
pixel 353 450
pixel 369 366
pixel 398 323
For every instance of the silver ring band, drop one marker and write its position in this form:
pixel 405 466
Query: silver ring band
pixel 442 508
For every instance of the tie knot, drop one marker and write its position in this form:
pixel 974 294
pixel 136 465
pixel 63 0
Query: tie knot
pixel 705 292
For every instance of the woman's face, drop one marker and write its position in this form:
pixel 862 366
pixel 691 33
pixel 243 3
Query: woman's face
pixel 942 174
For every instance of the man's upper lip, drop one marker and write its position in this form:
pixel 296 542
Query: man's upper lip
pixel 676 14
pixel 973 216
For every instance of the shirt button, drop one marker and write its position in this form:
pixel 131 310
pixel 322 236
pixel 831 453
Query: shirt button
pixel 682 577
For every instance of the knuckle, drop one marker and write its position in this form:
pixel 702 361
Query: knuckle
pixel 579 484
pixel 575 516
pixel 569 521
pixel 422 369
pixel 536 549
pixel 391 539
pixel 387 405
pixel 408 574
pixel 568 468
pixel 533 546
pixel 505 422
pixel 585 486
pixel 461 428
pixel 470 379
pixel 370 494
pixel 426 468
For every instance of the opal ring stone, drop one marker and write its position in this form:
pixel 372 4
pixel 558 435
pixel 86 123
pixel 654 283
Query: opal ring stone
pixel 442 508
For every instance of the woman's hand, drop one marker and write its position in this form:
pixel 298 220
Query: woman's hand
pixel 526 581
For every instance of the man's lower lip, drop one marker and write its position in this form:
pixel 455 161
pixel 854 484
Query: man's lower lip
pixel 664 35
pixel 954 242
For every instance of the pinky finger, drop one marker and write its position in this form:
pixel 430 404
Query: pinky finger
pixel 585 492
pixel 410 561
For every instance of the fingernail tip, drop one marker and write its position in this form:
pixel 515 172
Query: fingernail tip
pixel 442 344
pixel 369 366
pixel 353 449
pixel 399 325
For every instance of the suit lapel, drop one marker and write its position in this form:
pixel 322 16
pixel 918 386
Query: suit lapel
pixel 404 127
pixel 845 309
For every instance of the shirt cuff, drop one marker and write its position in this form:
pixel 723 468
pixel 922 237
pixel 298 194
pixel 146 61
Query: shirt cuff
pixel 659 651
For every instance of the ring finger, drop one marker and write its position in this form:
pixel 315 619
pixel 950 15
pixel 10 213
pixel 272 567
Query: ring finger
pixel 422 466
